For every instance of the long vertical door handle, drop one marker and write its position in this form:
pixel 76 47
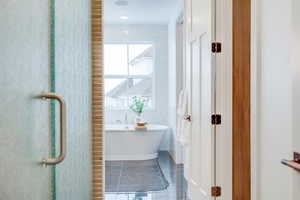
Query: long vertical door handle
pixel 63 132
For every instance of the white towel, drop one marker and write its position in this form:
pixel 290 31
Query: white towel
pixel 183 126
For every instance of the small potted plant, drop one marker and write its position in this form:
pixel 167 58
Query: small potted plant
pixel 137 106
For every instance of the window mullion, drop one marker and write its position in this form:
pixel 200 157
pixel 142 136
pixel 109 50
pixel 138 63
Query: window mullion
pixel 128 73
pixel 129 78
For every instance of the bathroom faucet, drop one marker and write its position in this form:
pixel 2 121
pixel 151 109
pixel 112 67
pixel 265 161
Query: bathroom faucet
pixel 126 118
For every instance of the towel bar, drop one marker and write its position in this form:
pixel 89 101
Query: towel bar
pixel 294 164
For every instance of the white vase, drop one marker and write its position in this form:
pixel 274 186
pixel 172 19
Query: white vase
pixel 138 119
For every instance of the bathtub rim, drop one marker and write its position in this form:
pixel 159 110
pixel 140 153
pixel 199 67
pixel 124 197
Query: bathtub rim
pixel 130 128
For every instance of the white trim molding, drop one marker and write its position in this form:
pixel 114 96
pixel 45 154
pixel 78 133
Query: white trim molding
pixel 255 80
pixel 224 96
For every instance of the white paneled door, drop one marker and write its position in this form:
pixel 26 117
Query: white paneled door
pixel 200 34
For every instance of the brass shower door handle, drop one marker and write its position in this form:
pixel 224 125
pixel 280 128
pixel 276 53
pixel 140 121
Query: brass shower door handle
pixel 63 131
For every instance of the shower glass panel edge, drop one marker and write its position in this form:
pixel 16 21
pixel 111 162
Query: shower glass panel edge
pixel 52 89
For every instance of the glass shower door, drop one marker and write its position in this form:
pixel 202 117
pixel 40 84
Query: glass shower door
pixel 45 146
pixel 24 117
pixel 71 79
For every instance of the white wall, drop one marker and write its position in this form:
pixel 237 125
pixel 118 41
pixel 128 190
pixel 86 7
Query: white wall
pixel 158 34
pixel 276 86
pixel 295 60
pixel 172 87
pixel 175 82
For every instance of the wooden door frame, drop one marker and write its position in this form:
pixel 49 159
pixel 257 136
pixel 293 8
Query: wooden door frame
pixel 241 99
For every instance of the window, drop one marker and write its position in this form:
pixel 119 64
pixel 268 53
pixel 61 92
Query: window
pixel 128 70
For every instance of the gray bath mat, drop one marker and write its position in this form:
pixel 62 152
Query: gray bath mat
pixel 134 176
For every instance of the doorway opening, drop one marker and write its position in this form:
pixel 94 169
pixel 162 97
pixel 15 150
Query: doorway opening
pixel 143 158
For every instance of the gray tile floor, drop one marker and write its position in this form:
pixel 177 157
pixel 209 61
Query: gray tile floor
pixel 174 175
pixel 134 176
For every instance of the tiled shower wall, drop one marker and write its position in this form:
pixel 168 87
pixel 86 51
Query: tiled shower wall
pixel 73 82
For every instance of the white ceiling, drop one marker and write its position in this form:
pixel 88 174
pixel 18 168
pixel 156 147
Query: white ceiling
pixel 139 11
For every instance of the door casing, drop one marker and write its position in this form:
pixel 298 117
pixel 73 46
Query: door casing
pixel 239 67
pixel 241 98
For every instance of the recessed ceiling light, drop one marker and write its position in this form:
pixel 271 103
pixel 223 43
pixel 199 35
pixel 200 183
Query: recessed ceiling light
pixel 124 17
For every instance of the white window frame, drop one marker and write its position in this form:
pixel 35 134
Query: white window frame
pixel 153 107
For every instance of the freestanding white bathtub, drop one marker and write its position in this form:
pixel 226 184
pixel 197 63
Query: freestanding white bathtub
pixel 123 142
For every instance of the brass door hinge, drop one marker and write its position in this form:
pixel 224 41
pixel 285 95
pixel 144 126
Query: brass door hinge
pixel 216 119
pixel 216 191
pixel 216 47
